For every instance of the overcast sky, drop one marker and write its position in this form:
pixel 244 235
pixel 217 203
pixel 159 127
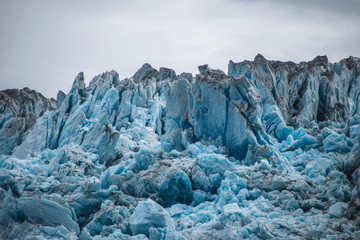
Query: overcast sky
pixel 44 44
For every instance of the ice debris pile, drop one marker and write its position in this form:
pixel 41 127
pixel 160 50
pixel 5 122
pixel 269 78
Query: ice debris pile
pixel 268 151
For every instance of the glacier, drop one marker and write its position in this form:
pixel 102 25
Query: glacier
pixel 268 150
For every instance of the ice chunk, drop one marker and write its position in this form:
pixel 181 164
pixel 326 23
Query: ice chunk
pixel 138 237
pixel 175 187
pixel 315 232
pixel 145 72
pixel 177 209
pixel 46 212
pixel 215 163
pixel 108 218
pixel 232 208
pixel 145 158
pixel 93 184
pixel 337 143
pixel 149 214
pixel 209 170
pixel 164 234
pixel 265 164
pixel 302 140
pixel 337 210
pixel 230 187
pixel 225 195
pixel 257 153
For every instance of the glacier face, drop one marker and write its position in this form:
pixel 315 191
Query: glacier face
pixel 269 150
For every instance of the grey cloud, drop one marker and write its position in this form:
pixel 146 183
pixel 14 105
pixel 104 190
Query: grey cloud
pixel 45 44
pixel 343 8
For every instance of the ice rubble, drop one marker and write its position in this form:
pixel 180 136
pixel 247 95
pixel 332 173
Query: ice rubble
pixel 269 150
